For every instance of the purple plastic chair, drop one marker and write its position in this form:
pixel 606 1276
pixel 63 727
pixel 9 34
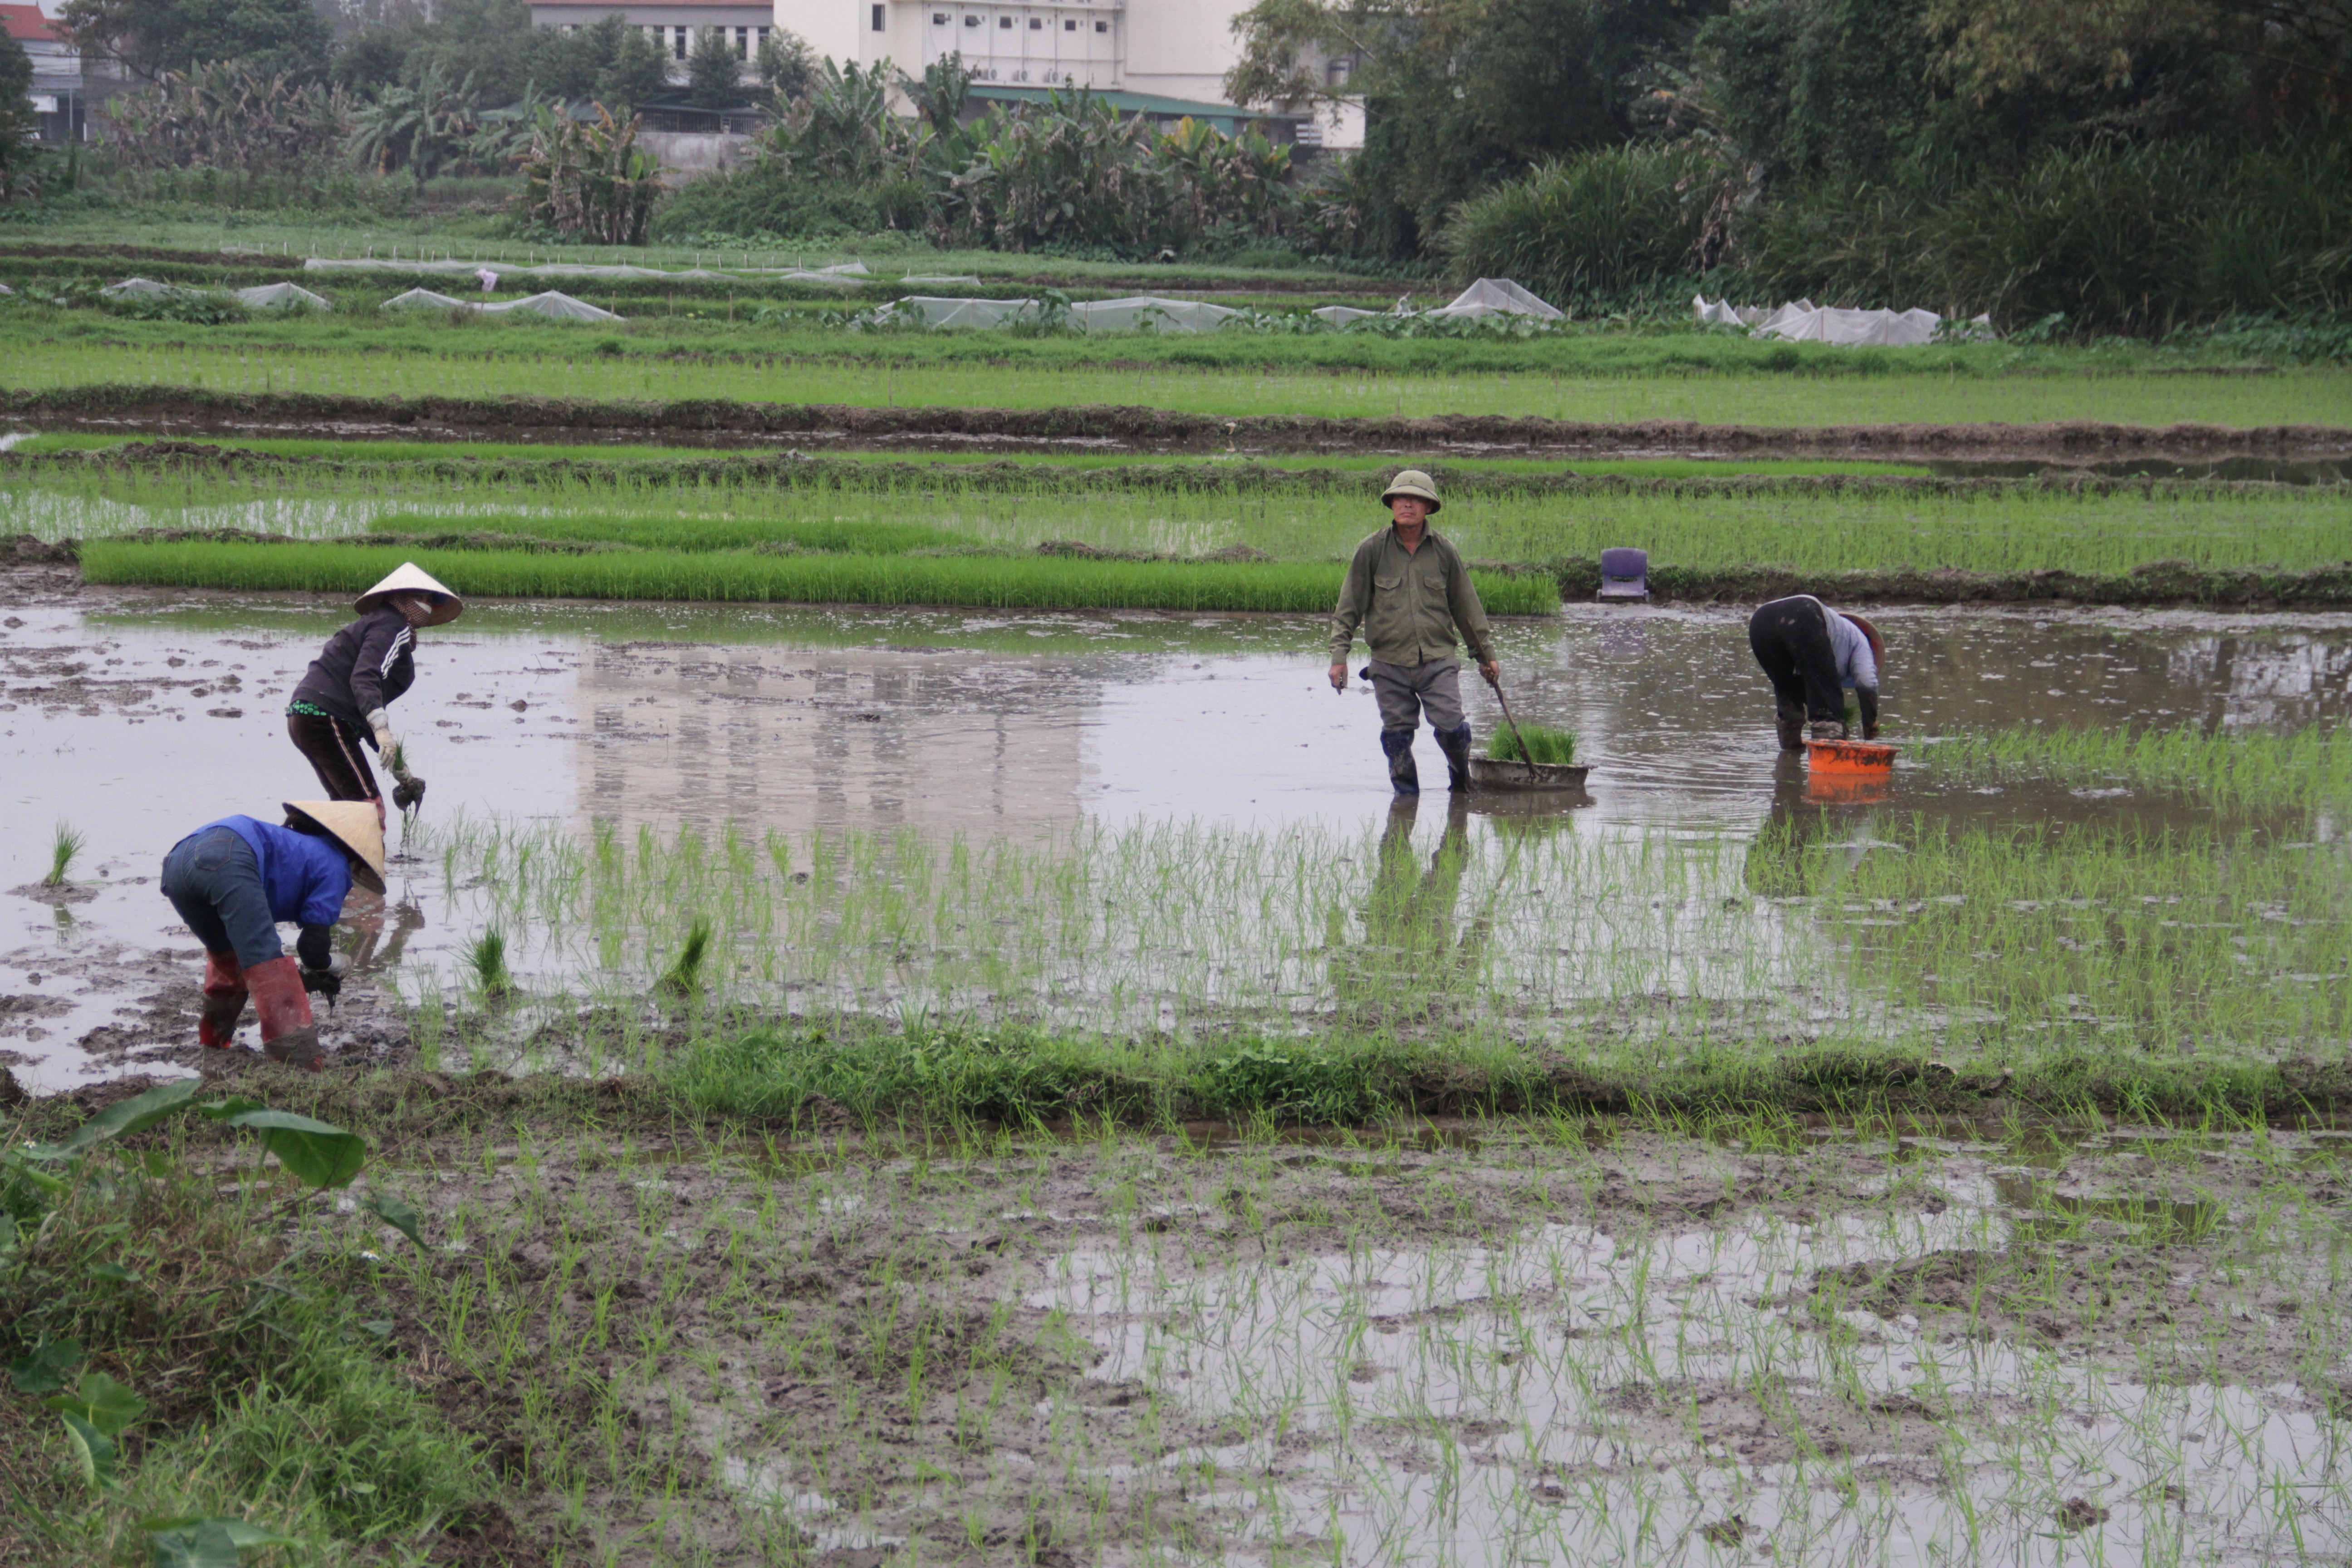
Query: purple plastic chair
pixel 1624 575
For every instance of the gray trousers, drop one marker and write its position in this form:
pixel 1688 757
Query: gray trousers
pixel 1406 691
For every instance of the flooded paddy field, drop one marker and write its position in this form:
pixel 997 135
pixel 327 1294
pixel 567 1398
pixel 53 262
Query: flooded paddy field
pixel 894 1237
pixel 1148 827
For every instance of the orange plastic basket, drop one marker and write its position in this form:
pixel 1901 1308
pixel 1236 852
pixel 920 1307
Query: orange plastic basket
pixel 1849 756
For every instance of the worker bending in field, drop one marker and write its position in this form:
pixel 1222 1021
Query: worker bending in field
pixel 1408 590
pixel 235 880
pixel 1812 654
pixel 341 704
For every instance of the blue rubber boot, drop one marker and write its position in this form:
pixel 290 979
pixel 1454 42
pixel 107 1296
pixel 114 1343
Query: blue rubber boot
pixel 1398 744
pixel 1456 744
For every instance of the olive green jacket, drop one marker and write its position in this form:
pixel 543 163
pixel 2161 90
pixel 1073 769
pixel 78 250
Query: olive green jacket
pixel 1412 604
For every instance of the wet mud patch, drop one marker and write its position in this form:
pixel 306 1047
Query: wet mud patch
pixel 188 411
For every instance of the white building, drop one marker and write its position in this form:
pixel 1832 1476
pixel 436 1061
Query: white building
pixel 1166 58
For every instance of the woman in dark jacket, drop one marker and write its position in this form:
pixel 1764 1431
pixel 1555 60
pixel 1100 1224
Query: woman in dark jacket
pixel 341 704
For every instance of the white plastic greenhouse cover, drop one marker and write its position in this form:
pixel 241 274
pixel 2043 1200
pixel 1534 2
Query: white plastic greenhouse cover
pixel 943 312
pixel 1340 315
pixel 422 299
pixel 280 296
pixel 1145 309
pixel 1802 321
pixel 554 306
pixel 136 288
pixel 1498 297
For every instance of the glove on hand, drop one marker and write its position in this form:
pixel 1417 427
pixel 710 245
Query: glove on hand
pixel 325 982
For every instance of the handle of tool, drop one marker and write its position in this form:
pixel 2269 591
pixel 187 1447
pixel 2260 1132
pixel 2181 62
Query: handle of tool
pixel 1525 755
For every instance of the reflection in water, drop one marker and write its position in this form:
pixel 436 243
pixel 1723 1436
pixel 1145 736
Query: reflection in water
pixel 1412 961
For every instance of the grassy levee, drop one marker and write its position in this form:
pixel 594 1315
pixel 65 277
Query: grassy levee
pixel 1686 378
pixel 271 1369
pixel 987 582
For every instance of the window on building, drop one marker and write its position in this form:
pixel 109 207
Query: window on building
pixel 1102 26
pixel 1034 23
pixel 939 18
pixel 1005 23
pixel 877 18
pixel 678 42
pixel 1339 73
pixel 972 21
pixel 1069 26
pixel 742 43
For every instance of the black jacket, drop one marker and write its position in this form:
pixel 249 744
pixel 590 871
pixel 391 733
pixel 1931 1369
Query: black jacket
pixel 362 667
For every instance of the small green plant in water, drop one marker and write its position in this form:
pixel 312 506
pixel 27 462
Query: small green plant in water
pixel 64 848
pixel 1552 748
pixel 684 976
pixel 487 959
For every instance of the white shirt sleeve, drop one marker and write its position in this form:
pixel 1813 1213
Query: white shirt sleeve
pixel 1856 665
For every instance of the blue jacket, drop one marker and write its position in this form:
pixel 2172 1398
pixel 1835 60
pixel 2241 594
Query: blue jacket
pixel 305 876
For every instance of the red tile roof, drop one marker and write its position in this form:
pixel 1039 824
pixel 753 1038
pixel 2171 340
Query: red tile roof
pixel 26 25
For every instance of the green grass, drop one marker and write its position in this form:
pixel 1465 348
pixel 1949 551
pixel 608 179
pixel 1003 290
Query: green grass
pixel 985 582
pixel 1689 377
pixel 1547 746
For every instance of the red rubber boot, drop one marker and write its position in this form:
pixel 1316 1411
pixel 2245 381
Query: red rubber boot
pixel 287 1032
pixel 224 1000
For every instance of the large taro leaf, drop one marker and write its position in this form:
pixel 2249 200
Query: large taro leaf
pixel 44 1371
pixel 93 1452
pixel 136 1114
pixel 100 1401
pixel 205 1542
pixel 320 1155
pixel 395 1211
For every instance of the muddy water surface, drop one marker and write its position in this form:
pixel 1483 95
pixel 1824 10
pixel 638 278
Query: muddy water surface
pixel 136 715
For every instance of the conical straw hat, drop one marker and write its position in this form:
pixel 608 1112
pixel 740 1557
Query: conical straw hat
pixel 352 824
pixel 1877 643
pixel 411 578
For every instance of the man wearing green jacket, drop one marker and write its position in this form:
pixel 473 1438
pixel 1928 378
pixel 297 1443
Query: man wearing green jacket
pixel 1410 591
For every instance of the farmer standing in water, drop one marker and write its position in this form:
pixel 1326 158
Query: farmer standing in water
pixel 341 703
pixel 1811 655
pixel 1408 590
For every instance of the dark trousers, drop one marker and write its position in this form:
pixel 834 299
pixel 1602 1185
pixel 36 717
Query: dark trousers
pixel 336 753
pixel 214 882
pixel 1791 639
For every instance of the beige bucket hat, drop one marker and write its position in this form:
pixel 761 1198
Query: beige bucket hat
pixel 1411 482
pixel 353 824
pixel 411 578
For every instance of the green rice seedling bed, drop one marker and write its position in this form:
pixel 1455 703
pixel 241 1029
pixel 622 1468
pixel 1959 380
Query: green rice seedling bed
pixel 2007 530
pixel 1206 375
pixel 690 534
pixel 990 582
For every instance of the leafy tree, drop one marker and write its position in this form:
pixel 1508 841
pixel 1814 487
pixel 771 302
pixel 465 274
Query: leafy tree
pixel 19 152
pixel 1458 94
pixel 267 38
pixel 714 73
pixel 787 65
pixel 636 71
